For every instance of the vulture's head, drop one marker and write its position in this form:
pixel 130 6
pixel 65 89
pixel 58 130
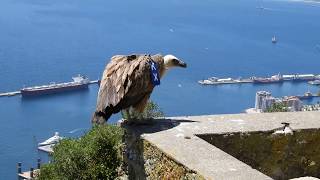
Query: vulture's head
pixel 171 61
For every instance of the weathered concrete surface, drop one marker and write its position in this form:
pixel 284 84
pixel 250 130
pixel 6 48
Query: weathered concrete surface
pixel 145 161
pixel 176 137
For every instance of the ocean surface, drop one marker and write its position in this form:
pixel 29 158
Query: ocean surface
pixel 42 41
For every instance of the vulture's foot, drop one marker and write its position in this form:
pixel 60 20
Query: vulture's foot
pixel 144 121
pixel 138 121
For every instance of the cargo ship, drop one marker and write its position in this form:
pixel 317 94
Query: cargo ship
pixel 266 80
pixel 273 79
pixel 79 82
pixel 217 81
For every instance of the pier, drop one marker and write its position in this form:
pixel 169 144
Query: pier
pixel 94 82
pixel 14 93
pixel 29 175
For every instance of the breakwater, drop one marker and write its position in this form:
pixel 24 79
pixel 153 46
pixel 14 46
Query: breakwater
pixel 261 80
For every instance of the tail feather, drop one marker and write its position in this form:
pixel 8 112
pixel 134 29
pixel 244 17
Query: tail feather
pixel 100 117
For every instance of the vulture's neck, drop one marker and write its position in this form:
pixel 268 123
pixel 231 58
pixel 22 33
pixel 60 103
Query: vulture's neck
pixel 163 71
pixel 159 60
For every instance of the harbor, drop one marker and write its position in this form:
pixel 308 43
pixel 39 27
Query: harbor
pixel 44 41
pixel 79 82
pixel 310 78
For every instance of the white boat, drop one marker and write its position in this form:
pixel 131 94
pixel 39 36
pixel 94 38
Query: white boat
pixel 213 79
pixel 274 39
pixel 53 140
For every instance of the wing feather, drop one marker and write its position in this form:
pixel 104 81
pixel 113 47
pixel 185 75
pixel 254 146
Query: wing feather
pixel 124 77
pixel 126 73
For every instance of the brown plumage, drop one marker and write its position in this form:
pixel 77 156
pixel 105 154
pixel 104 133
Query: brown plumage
pixel 126 82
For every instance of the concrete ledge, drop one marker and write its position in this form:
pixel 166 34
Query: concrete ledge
pixel 146 161
pixel 176 137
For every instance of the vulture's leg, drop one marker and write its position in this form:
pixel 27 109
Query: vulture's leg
pixel 127 111
pixel 140 116
pixel 142 104
pixel 140 107
pixel 134 114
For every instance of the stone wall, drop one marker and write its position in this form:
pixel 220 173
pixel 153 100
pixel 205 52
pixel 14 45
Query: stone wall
pixel 279 156
pixel 145 161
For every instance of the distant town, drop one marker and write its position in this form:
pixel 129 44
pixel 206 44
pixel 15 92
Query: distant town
pixel 265 102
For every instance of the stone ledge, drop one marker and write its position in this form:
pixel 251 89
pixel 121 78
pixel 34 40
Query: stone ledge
pixel 177 138
pixel 146 161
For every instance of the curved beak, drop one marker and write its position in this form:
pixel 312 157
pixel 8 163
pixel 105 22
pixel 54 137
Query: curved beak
pixel 182 64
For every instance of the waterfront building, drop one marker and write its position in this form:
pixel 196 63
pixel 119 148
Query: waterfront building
pixel 260 96
pixel 293 103
pixel 264 101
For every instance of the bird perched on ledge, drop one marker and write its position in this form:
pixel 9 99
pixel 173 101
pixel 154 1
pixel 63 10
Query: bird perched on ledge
pixel 128 81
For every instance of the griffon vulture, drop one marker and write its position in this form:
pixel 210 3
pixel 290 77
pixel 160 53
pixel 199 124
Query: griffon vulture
pixel 128 81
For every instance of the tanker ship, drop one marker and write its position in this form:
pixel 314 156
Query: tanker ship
pixel 79 82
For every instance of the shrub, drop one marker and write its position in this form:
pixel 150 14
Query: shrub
pixel 152 110
pixel 96 155
pixel 278 107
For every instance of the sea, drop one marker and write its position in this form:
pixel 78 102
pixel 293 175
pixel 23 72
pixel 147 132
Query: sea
pixel 43 41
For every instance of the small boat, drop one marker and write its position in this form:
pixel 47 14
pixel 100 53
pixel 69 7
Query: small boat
pixel 53 140
pixel 306 95
pixel 315 82
pixel 274 40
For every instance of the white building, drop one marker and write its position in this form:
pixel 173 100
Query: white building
pixel 260 96
pixel 264 101
pixel 293 102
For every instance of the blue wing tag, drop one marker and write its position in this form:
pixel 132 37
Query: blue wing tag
pixel 155 77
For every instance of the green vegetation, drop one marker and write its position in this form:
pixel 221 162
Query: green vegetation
pixel 96 155
pixel 152 111
pixel 278 107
